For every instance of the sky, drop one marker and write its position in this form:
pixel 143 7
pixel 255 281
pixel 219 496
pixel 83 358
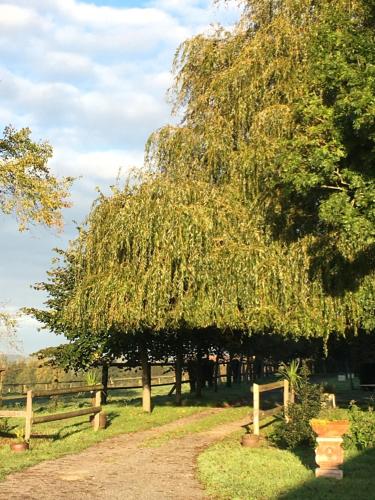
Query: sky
pixel 91 78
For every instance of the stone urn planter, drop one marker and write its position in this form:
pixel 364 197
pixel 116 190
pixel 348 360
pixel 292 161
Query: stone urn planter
pixel 252 441
pixel 329 454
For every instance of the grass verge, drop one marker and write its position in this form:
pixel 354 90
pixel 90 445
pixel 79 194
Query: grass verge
pixel 229 471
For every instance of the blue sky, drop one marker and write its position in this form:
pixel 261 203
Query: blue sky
pixel 91 78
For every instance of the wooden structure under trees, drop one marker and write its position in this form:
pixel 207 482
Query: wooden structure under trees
pixel 257 389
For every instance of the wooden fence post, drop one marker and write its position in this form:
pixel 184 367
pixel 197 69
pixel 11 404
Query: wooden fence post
pixel 105 370
pixel 98 400
pixel 29 415
pixel 286 398
pixel 256 409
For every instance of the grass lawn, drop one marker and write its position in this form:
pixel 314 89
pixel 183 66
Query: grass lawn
pixel 229 471
pixel 54 439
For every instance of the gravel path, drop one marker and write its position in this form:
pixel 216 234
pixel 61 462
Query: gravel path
pixel 121 468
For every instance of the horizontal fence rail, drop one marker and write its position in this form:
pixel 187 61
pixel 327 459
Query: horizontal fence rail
pixel 271 386
pixel 28 415
pixel 69 414
pixel 13 413
pixel 73 390
pixel 13 398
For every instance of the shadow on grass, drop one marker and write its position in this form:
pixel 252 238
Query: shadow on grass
pixel 225 396
pixel 358 482
pixel 62 433
pixel 307 456
pixel 237 394
pixel 111 415
pixel 71 429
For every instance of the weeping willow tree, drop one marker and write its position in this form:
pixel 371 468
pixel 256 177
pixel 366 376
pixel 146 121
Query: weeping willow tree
pixel 282 110
pixel 283 107
pixel 189 257
pixel 229 229
pixel 167 255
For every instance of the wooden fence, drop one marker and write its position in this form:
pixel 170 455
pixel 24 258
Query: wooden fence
pixel 257 390
pixel 31 420
pixel 114 383
pixel 248 373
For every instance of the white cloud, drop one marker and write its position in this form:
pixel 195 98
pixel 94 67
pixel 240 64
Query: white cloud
pixel 13 17
pixel 92 80
pixel 99 165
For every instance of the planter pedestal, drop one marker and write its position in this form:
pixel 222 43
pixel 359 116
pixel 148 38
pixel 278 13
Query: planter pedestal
pixel 329 455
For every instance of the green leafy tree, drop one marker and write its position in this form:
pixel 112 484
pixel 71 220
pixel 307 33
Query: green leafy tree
pixel 8 324
pixel 27 187
pixel 283 108
pixel 28 190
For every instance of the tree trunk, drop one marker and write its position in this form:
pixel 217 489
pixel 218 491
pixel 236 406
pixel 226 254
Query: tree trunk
pixel 241 374
pixel 229 373
pixel 216 372
pixel 178 373
pixel 198 389
pixel 248 369
pixel 104 384
pixel 350 367
pixel 292 395
pixel 146 381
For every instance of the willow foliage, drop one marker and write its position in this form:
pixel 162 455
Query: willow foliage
pixel 248 196
pixel 284 106
pixel 168 255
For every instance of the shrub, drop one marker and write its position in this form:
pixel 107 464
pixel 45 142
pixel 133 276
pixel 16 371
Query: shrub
pixel 297 429
pixel 362 428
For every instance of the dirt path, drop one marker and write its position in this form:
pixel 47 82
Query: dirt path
pixel 121 468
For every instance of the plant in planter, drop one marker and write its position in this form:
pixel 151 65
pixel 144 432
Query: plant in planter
pixel 296 430
pixel 329 454
pixel 291 373
pixel 20 444
pixel 91 380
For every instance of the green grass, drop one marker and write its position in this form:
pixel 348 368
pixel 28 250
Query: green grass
pixel 125 415
pixel 204 424
pixel 229 471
